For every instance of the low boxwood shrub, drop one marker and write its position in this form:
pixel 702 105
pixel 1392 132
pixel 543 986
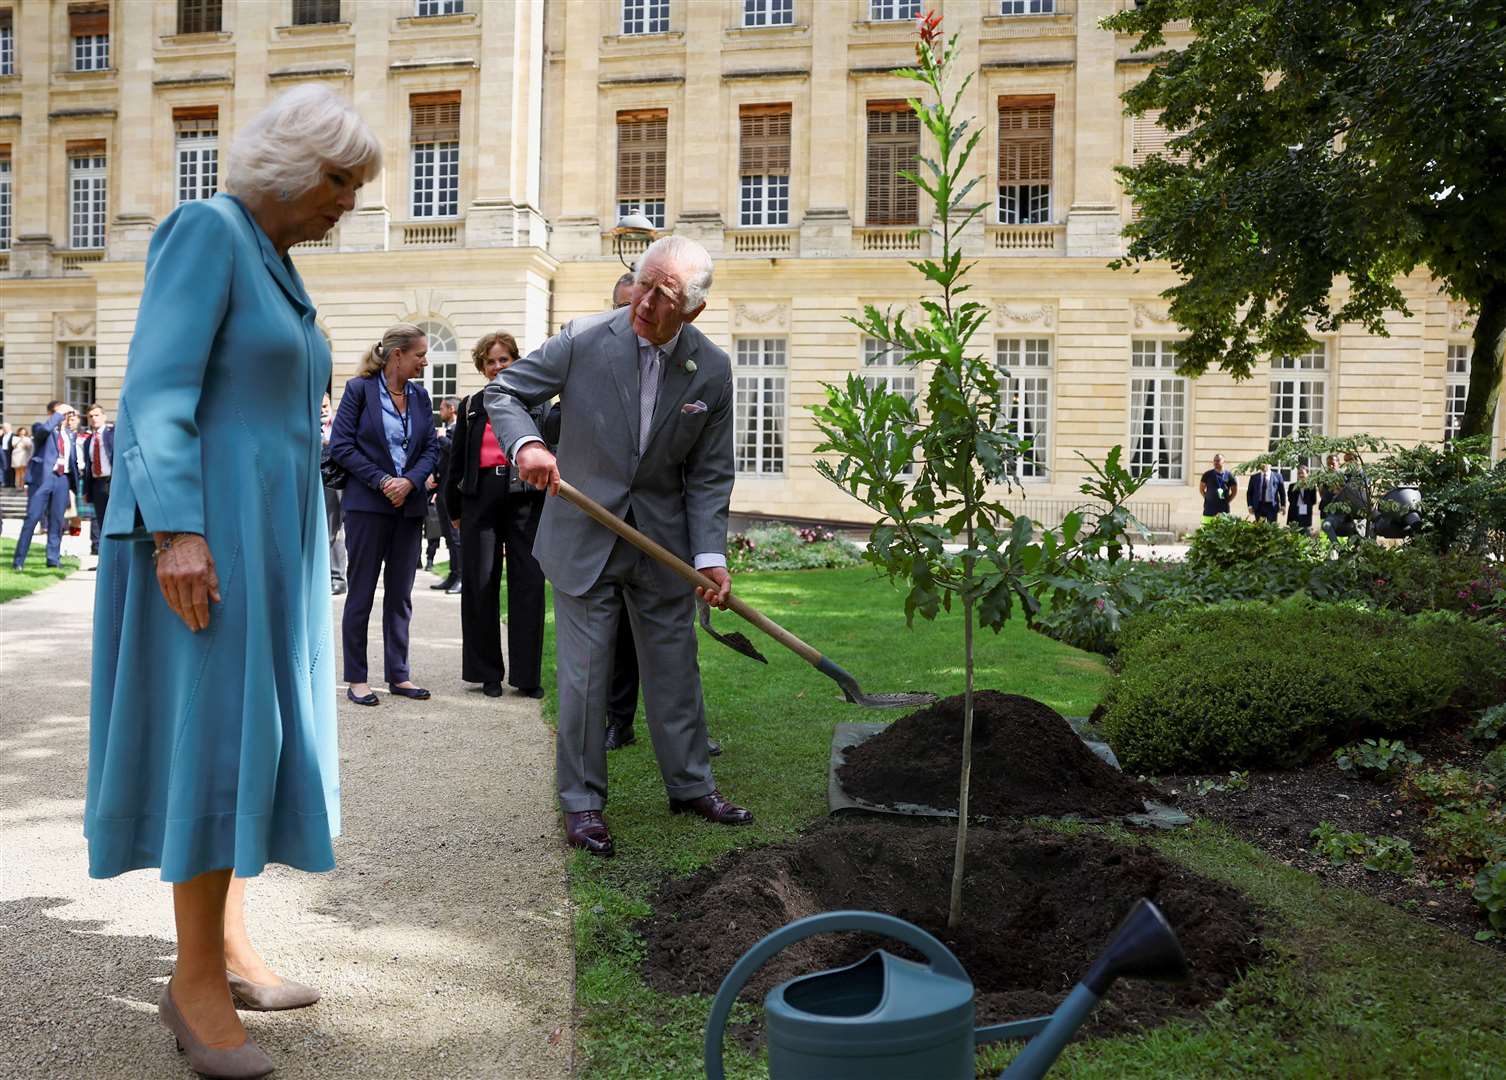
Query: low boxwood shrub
pixel 1225 543
pixel 769 546
pixel 1241 685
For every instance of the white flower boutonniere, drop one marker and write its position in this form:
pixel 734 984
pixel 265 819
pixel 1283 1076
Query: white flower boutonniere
pixel 690 367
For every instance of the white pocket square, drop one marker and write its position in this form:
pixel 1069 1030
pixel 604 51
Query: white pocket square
pixel 690 408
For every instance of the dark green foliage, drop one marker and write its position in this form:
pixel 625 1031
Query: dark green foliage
pixel 1393 853
pixel 1490 890
pixel 1226 543
pixel 768 546
pixel 1490 725
pixel 1252 684
pixel 1375 758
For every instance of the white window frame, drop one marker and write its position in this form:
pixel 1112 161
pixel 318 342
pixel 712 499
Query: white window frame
pixel 1025 204
pixel 645 17
pixel 442 377
pixel 1027 7
pixel 1155 385
pixel 8 47
pixel 6 203
pixel 80 369
pixel 425 9
pixel 653 209
pixel 196 165
pixel 435 179
pixel 761 13
pixel 88 198
pixel 1300 396
pixel 91 52
pixel 1025 371
pixel 893 367
pixel 764 201
pixel 893 10
pixel 1455 387
pixel 761 393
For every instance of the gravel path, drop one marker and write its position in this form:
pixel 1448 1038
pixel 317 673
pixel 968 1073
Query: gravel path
pixel 442 941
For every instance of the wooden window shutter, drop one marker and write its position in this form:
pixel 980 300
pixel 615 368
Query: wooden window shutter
pixel 84 147
pixel 436 116
pixel 642 154
pixel 1025 137
pixel 765 146
pixel 183 113
pixel 893 144
pixel 87 19
pixel 1149 137
pixel 5 19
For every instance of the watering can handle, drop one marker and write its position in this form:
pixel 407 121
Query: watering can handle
pixel 941 958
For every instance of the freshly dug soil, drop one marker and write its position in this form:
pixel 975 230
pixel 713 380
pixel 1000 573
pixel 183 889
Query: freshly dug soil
pixel 1027 760
pixel 1037 909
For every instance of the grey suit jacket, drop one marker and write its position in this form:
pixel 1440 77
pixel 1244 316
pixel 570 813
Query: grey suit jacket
pixel 678 491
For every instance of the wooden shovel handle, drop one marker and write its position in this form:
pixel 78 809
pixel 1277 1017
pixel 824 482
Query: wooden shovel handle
pixel 661 554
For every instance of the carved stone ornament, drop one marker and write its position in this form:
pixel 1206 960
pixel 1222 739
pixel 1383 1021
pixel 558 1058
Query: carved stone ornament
pixel 1458 316
pixel 73 326
pixel 1045 314
pixel 772 316
pixel 1145 314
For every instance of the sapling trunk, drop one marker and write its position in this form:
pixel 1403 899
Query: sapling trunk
pixel 954 914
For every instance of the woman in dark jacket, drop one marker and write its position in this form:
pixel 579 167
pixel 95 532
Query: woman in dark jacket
pixel 499 515
pixel 384 438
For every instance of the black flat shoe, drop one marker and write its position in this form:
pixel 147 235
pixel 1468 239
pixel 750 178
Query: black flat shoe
pixel 337 589
pixel 417 693
pixel 492 689
pixel 369 699
pixel 534 692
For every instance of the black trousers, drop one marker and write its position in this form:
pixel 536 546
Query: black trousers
pixel 622 694
pixel 498 526
pixel 385 546
pixel 101 499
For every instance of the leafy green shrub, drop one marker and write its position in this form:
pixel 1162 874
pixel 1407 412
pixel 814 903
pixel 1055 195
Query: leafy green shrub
pixel 1493 767
pixel 1252 684
pixel 1461 840
pixel 1490 890
pixel 1452 787
pixel 1225 543
pixel 1208 785
pixel 768 546
pixel 1489 726
pixel 1376 758
pixel 1392 853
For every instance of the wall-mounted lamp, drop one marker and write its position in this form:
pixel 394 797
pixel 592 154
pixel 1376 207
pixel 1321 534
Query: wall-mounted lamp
pixel 634 224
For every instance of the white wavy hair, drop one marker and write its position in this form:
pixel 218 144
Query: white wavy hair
pixel 690 262
pixel 280 152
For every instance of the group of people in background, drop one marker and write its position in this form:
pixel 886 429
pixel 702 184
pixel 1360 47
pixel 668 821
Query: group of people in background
pixel 62 469
pixel 1268 495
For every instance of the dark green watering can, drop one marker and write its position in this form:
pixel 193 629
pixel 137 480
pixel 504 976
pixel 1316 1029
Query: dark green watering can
pixel 885 1018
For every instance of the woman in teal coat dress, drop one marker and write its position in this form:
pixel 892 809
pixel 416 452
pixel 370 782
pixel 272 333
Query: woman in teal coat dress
pixel 212 724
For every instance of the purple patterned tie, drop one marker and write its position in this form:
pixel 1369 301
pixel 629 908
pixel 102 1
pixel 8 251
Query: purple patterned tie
pixel 648 392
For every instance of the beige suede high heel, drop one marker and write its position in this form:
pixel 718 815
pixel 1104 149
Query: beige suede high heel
pixel 244 1062
pixel 286 995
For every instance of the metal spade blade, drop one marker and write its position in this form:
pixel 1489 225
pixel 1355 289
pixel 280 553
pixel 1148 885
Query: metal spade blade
pixel 735 641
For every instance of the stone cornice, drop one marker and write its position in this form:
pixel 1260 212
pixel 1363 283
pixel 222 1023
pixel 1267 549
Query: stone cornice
pixel 767 73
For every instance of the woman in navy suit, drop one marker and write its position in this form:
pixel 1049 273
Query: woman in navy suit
pixel 383 436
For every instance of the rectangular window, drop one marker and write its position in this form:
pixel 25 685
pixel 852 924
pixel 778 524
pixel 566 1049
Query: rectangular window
pixel 645 16
pixel 439 7
pixel 642 150
pixel 315 12
pixel 761 375
pixel 1027 7
pixel 7 43
pixel 1299 393
pixel 436 153
pixel 893 10
pixel 1025 372
pixel 199 16
pixel 768 12
pixel 78 376
pixel 889 367
pixel 764 164
pixel 5 201
pixel 89 27
pixel 1025 141
pixel 87 179
pixel 893 145
pixel 1455 388
pixel 197 162
pixel 1158 411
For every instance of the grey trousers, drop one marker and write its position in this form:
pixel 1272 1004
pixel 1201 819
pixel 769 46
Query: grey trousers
pixel 334 518
pixel 661 609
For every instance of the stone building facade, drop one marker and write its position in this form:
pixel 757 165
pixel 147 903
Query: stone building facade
pixel 516 131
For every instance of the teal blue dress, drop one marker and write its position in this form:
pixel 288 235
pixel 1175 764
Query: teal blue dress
pixel 216 749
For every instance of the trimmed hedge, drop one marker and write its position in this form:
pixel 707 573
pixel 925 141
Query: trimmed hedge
pixel 1255 684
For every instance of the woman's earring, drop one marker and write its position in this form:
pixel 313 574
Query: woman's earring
pixel 284 195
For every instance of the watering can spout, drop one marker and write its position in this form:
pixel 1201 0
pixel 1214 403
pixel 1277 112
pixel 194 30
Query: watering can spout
pixel 1144 947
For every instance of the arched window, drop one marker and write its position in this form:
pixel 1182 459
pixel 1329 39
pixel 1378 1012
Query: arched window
pixel 442 378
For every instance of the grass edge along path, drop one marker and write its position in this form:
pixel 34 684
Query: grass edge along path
pixel 35 575
pixel 1354 988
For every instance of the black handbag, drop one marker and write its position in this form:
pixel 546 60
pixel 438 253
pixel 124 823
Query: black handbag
pixel 333 473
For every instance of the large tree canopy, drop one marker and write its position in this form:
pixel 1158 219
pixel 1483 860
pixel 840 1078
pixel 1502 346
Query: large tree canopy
pixel 1322 150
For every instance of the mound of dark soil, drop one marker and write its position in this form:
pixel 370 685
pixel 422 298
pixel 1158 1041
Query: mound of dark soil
pixel 1027 760
pixel 1037 909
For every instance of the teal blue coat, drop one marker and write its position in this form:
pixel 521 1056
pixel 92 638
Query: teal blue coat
pixel 216 749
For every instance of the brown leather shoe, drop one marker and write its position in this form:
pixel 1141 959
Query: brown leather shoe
pixel 714 808
pixel 588 829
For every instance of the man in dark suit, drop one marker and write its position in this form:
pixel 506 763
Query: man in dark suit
pixel 1300 499
pixel 1266 494
pixel 98 464
pixel 445 432
pixel 50 477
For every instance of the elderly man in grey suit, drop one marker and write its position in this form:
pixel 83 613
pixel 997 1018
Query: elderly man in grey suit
pixel 647 408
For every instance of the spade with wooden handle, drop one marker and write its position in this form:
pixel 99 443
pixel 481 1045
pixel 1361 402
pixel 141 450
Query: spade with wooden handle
pixel 850 688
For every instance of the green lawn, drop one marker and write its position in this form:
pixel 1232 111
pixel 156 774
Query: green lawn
pixel 1356 989
pixel 34 575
